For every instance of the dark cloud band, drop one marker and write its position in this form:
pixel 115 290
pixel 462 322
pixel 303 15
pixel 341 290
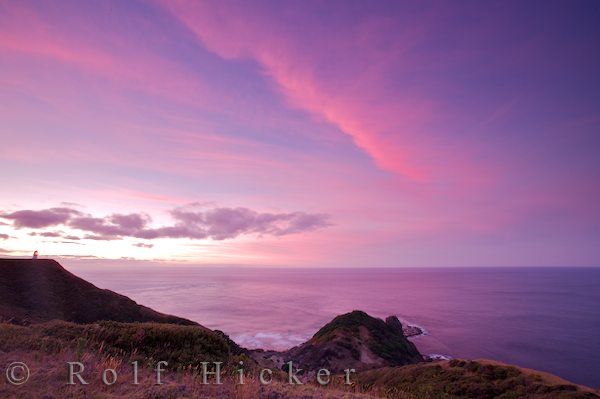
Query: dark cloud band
pixel 192 221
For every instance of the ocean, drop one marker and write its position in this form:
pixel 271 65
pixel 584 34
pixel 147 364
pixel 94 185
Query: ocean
pixel 542 318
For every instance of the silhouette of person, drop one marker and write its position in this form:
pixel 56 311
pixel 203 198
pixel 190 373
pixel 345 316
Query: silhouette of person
pixel 35 255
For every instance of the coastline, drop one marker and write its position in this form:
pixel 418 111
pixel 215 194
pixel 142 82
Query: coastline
pixel 413 331
pixel 194 294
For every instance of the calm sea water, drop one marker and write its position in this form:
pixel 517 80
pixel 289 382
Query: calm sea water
pixel 542 318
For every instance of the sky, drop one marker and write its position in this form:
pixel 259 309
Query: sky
pixel 301 134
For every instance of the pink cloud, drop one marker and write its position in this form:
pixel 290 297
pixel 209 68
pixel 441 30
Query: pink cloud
pixel 71 237
pixel 310 78
pixel 85 81
pixel 191 222
pixel 42 218
pixel 51 234
pixel 143 245
pixel 96 51
pixel 101 69
pixel 224 223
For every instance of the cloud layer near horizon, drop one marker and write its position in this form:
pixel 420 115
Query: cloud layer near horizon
pixel 191 221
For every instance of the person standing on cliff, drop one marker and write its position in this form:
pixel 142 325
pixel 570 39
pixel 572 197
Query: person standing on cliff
pixel 35 255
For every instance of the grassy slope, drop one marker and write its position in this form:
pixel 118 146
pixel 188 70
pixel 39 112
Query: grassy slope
pixel 42 290
pixel 184 347
pixel 47 347
pixel 460 379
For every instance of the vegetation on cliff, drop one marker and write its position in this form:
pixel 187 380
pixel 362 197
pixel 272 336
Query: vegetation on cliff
pixel 356 340
pixel 40 290
pixel 183 347
pixel 463 379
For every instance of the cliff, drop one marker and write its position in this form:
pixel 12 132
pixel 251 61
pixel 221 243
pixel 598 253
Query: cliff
pixel 33 291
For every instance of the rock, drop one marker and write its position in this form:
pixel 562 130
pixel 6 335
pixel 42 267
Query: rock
pixel 355 340
pixel 393 322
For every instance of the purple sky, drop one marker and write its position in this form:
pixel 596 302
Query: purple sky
pixel 302 133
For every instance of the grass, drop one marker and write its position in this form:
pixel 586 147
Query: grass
pixel 183 347
pixel 461 379
pixel 46 348
pixel 49 376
